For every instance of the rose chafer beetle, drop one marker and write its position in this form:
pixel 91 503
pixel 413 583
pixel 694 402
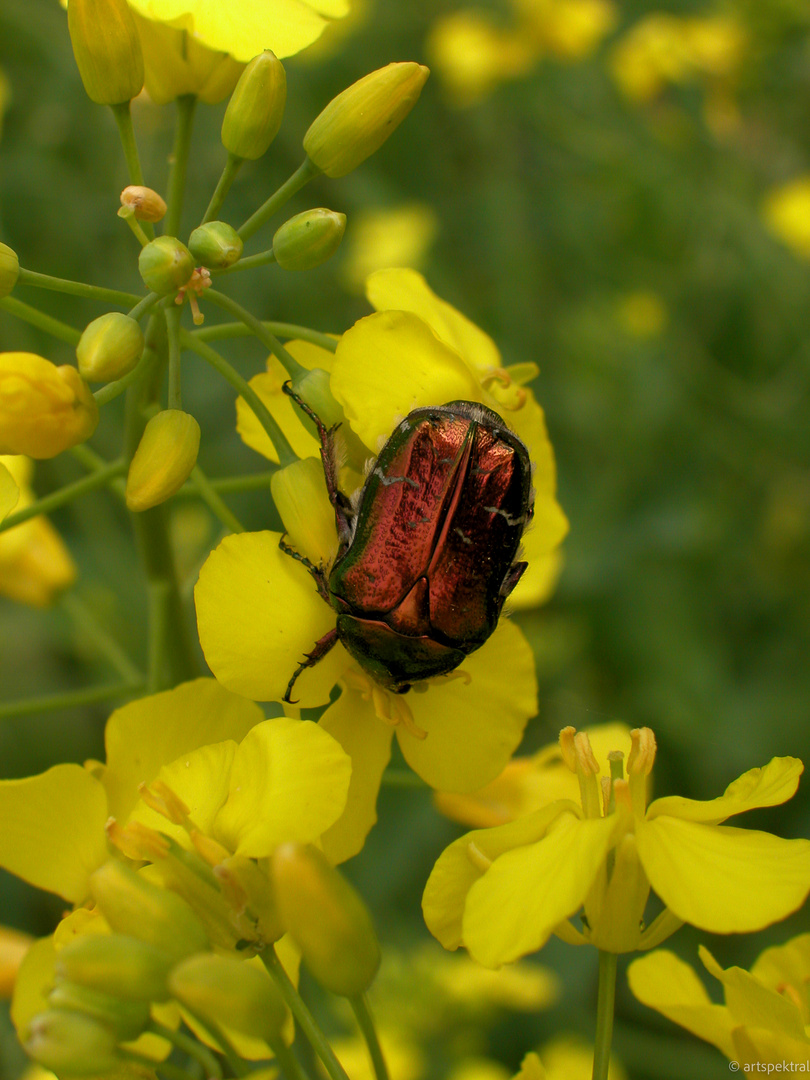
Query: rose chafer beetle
pixel 427 549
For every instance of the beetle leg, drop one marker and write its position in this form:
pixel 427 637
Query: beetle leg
pixel 316 571
pixel 319 651
pixel 513 576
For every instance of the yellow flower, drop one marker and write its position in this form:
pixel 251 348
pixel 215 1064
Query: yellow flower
pixel 472 54
pixel 13 946
pixel 567 1058
pixel 502 892
pixel 766 1013
pixel 44 409
pixel 258 612
pixel 34 563
pixel 399 236
pixel 787 214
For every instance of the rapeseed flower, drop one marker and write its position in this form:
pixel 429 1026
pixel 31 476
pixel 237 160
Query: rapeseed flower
pixel 786 212
pixel 44 409
pixel 503 892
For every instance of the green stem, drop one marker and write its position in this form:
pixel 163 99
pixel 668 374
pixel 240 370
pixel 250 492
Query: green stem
pixel 230 484
pixel 270 341
pixel 123 118
pixel 291 1067
pixel 143 306
pixel 180 153
pixel 237 1066
pixel 214 503
pixel 263 258
pixel 285 452
pixel 65 495
pixel 232 166
pixel 604 1014
pixel 84 618
pixel 402 778
pixel 366 1023
pixel 70 700
pixel 190 1046
pixel 93 462
pixel 37 318
pixel 76 288
pixel 304 1018
pixel 301 176
pixel 224 331
pixel 175 398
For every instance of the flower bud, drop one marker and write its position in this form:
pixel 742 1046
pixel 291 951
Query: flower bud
pixel 110 346
pixel 71 1044
pixel 44 409
pixel 107 49
pixel 145 204
pixel 164 459
pixel 231 992
pixel 135 907
pixel 9 269
pixel 308 239
pixel 215 245
pixel 115 964
pixel 254 113
pixel 357 122
pixel 165 265
pixel 326 918
pixel 126 1018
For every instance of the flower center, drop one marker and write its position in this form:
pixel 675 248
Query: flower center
pixel 392 709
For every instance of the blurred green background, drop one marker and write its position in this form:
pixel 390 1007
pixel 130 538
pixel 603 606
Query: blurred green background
pixel 600 215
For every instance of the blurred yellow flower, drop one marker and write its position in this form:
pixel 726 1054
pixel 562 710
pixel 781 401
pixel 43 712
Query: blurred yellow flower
pixel 34 563
pixel 377 239
pixel 567 1057
pixel 5 95
pixel 14 944
pixel 643 314
pixel 786 211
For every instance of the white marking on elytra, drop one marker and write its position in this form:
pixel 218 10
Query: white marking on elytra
pixel 506 515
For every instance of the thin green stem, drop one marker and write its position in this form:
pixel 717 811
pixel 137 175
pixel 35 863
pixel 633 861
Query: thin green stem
pixel 85 619
pixel 604 1014
pixel 224 331
pixel 269 340
pixel 285 452
pixel 263 258
pixel 94 463
pixel 143 306
pixel 135 227
pixel 366 1023
pixel 190 1046
pixel 304 1018
pixel 237 1066
pixel 232 166
pixel 229 484
pixel 70 700
pixel 76 288
pixel 301 176
pixel 175 396
pixel 214 502
pixel 402 778
pixel 123 118
pixel 177 177
pixel 55 327
pixel 291 1067
pixel 65 494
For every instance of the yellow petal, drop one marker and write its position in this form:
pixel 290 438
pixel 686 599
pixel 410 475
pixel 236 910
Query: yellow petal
pixel 34 982
pixel 258 614
pixel 752 1004
pixel 787 964
pixel 569 1057
pixel 14 944
pixel 771 785
pixel 406 290
pixel 664 982
pixel 299 492
pixel 722 879
pixel 531 1068
pixel 759 1045
pixel 513 909
pixel 9 492
pixel 146 734
pixel 456 871
pixel 474 728
pixel 391 363
pixel 289 782
pixel 34 563
pixel 283 410
pixel 367 740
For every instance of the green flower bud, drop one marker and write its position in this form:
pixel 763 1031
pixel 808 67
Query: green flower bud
pixel 326 918
pixel 116 964
pixel 215 245
pixel 308 239
pixel 135 907
pixel 254 112
pixel 165 265
pixel 357 122
pixel 71 1044
pixel 110 346
pixel 145 204
pixel 107 49
pixel 231 992
pixel 164 459
pixel 126 1018
pixel 9 269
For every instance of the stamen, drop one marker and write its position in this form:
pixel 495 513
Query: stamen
pixel 211 850
pixel 199 281
pixel 137 841
pixel 392 709
pixel 642 754
pixel 160 798
pixel 515 398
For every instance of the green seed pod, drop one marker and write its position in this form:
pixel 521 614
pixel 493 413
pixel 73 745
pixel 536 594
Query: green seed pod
pixel 164 459
pixel 165 265
pixel 135 907
pixel 145 204
pixel 126 1018
pixel 327 920
pixel 254 112
pixel 116 964
pixel 71 1044
pixel 308 239
pixel 9 269
pixel 215 245
pixel 107 49
pixel 231 992
pixel 357 122
pixel 109 347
